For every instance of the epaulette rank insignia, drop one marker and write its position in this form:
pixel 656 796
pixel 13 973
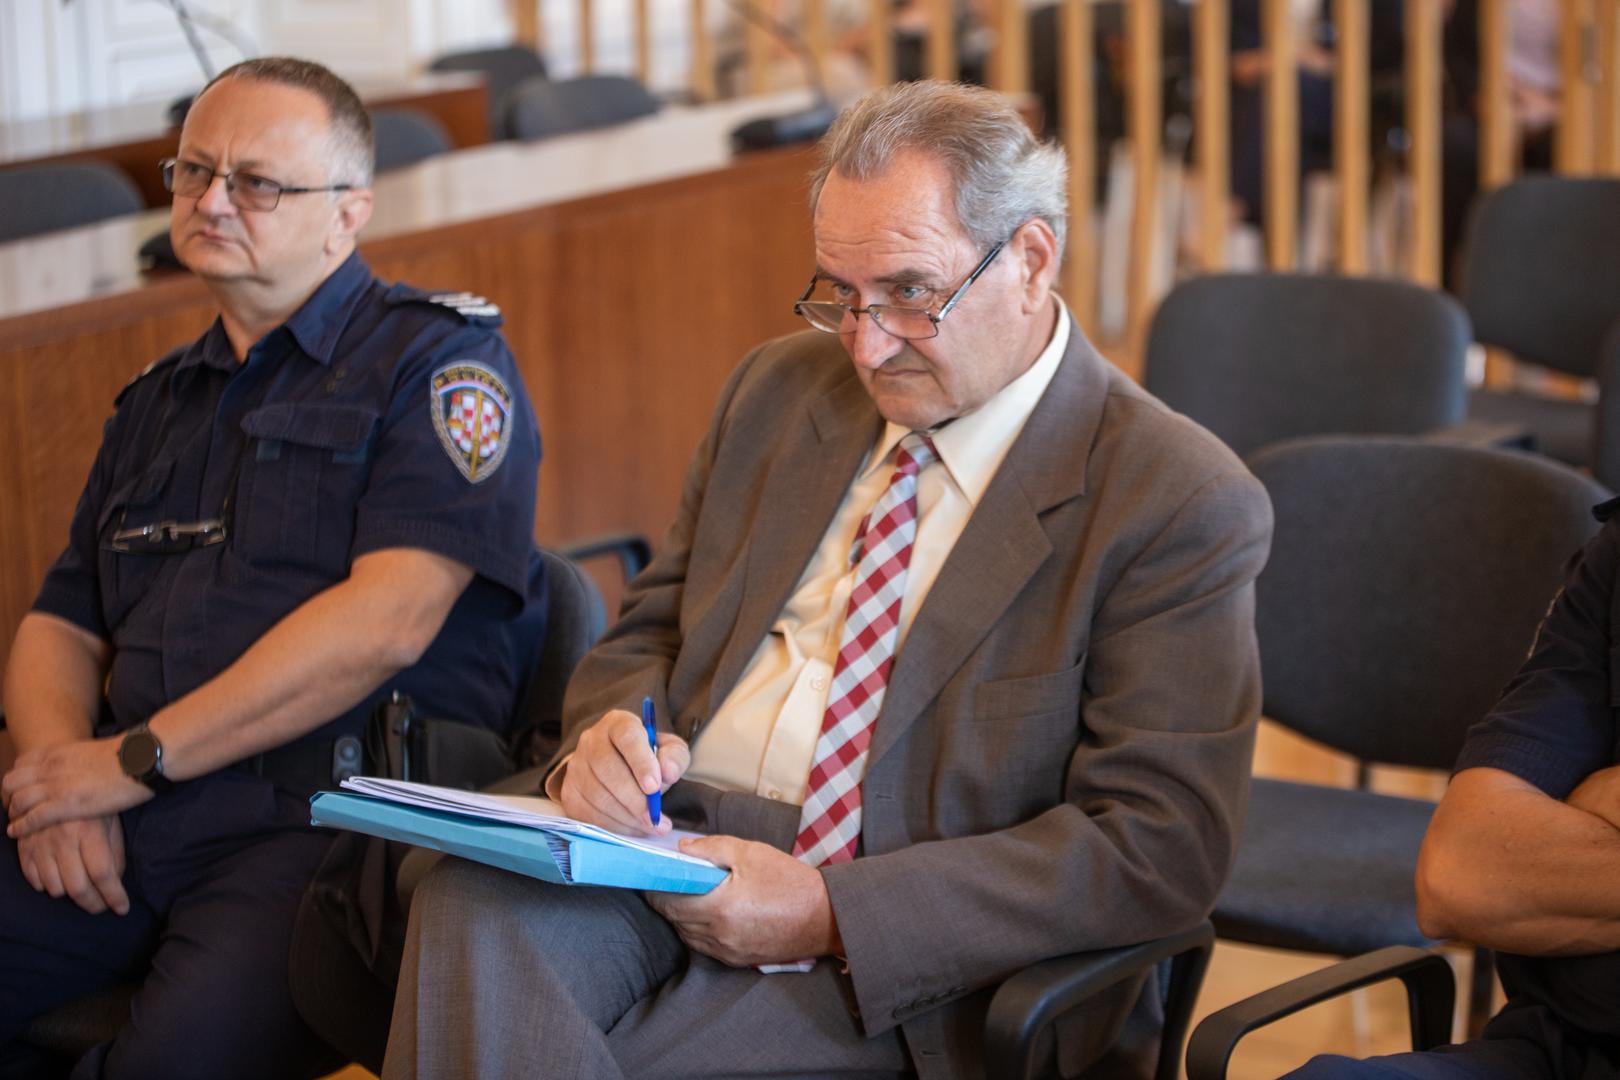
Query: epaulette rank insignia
pixel 470 306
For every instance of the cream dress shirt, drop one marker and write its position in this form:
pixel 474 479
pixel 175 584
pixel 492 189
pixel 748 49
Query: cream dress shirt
pixel 763 736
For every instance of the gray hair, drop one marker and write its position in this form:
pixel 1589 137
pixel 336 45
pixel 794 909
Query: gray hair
pixel 1003 176
pixel 350 141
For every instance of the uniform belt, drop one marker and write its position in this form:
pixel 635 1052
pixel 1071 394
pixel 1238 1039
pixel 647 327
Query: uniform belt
pixel 309 764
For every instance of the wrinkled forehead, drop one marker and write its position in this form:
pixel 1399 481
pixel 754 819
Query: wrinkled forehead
pixel 907 212
pixel 253 123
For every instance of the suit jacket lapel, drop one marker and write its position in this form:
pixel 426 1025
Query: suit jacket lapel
pixel 1003 543
pixel 809 476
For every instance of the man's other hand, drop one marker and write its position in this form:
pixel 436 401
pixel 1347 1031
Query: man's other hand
pixel 612 771
pixel 81 859
pixel 1599 795
pixel 772 909
pixel 71 781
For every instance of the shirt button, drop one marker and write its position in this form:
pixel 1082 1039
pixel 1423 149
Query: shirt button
pixel 774 794
pixel 818 683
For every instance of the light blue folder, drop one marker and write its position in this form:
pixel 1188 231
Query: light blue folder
pixel 538 853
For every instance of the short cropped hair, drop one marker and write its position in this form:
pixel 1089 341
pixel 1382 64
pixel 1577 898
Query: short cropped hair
pixel 1002 174
pixel 352 145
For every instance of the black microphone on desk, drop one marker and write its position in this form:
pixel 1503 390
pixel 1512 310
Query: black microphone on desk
pixel 805 125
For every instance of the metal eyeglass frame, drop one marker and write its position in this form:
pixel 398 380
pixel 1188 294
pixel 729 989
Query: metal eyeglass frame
pixel 166 167
pixel 876 310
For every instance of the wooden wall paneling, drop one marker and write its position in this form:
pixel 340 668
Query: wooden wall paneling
pixel 702 76
pixel 1144 121
pixel 1351 131
pixel 1423 89
pixel 816 36
pixel 1498 137
pixel 1608 107
pixel 1211 58
pixel 1012 47
pixel 528 28
pixel 644 47
pixel 880 42
pixel 1281 185
pixel 1572 148
pixel 759 47
pixel 942 61
pixel 587 36
pixel 1079 111
pixel 1498 141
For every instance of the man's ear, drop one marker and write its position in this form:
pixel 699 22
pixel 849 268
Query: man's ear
pixel 1035 247
pixel 349 216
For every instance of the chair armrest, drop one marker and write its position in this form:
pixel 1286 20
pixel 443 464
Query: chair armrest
pixel 631 549
pixel 1430 998
pixel 1484 434
pixel 1030 1000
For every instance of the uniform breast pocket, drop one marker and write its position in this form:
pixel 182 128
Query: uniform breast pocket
pixel 303 472
pixel 128 562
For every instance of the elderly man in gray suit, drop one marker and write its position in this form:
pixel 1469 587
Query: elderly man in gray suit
pixel 953 657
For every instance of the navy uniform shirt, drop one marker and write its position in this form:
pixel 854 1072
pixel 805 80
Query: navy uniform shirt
pixel 374 418
pixel 1554 726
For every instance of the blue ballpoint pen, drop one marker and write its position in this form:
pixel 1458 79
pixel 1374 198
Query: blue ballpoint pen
pixel 655 801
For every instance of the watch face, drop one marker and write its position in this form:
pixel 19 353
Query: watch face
pixel 138 754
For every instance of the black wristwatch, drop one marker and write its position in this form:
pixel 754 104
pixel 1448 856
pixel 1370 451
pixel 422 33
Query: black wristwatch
pixel 140 754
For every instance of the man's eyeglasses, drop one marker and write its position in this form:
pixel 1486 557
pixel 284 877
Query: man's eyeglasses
pixel 166 537
pixel 910 323
pixel 247 191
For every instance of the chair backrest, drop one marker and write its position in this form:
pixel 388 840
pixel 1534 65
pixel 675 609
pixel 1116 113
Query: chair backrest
pixel 1405 585
pixel 1541 269
pixel 539 109
pixel 503 68
pixel 406 136
pixel 1261 357
pixel 575 618
pixel 44 198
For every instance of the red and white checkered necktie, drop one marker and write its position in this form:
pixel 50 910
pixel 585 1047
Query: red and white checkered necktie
pixel 830 824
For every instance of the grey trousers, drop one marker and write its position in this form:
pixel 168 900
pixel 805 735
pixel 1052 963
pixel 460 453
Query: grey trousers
pixel 505 976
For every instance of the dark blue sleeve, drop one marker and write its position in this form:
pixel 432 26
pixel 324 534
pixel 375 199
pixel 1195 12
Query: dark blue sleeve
pixel 436 484
pixel 72 588
pixel 1554 725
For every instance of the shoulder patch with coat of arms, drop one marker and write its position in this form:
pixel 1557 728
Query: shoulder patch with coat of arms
pixel 472 414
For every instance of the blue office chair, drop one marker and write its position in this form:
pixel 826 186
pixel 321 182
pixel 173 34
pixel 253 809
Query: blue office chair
pixel 503 69
pixel 1257 358
pixel 44 198
pixel 1405 584
pixel 1540 265
pixel 540 109
pixel 406 136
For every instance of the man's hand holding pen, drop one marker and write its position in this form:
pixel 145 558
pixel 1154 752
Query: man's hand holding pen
pixel 613 769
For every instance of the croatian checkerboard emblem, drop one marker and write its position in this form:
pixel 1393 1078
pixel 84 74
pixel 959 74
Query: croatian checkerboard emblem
pixel 472 413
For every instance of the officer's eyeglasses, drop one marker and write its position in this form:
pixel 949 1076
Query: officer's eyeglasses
pixel 247 191
pixel 910 323
pixel 167 537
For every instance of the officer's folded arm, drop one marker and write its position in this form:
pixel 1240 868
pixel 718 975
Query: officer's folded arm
pixel 319 661
pixel 1508 866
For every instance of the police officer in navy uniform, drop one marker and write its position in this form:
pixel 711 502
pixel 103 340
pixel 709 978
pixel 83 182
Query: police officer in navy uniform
pixel 327 497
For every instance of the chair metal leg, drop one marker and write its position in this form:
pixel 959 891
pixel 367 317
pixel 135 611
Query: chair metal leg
pixel 1481 990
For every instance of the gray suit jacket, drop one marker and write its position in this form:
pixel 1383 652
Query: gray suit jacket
pixel 1062 756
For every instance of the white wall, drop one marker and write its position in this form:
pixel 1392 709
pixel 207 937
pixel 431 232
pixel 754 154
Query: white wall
pixel 60 56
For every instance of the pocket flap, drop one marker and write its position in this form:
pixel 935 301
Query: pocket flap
pixel 343 428
pixel 1031 695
